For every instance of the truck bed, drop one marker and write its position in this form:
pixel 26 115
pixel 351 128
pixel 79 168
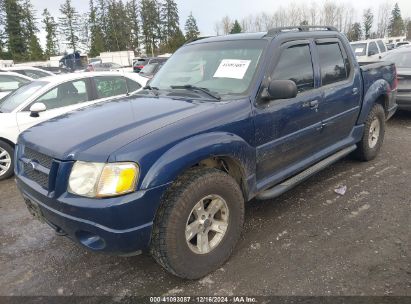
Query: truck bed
pixel 374 73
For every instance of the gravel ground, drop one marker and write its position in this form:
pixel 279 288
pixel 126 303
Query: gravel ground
pixel 309 241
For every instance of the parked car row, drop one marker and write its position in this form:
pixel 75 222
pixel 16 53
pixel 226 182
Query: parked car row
pixel 140 63
pixel 35 101
pixel 373 50
pixel 402 59
pixel 10 81
pixel 226 119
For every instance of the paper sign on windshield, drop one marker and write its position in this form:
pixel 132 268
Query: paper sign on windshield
pixel 232 68
pixel 359 50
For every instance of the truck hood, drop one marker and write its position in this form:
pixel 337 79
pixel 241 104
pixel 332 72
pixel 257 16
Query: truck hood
pixel 93 133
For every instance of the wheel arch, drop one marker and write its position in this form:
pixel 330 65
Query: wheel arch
pixel 376 94
pixel 220 150
pixel 7 141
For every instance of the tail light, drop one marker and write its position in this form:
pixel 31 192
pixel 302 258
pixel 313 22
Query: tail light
pixel 140 67
pixel 395 82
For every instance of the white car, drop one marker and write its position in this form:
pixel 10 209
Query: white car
pixel 31 72
pixel 10 82
pixel 49 97
pixel 369 50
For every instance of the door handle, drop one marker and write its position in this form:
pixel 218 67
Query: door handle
pixel 355 91
pixel 313 104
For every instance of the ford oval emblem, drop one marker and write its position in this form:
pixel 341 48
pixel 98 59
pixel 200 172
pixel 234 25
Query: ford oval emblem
pixel 33 165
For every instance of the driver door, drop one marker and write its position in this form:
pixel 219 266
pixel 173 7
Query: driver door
pixel 287 130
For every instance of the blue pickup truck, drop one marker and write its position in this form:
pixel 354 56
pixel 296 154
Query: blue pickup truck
pixel 227 119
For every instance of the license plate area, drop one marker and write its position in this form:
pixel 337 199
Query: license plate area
pixel 34 209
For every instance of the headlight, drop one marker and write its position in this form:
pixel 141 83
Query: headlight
pixel 103 180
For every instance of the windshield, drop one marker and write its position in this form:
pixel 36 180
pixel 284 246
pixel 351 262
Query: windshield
pixel 12 101
pixel 401 59
pixel 226 67
pixel 359 48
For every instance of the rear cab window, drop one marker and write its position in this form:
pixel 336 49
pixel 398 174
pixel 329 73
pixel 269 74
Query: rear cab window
pixel 359 49
pixel 381 45
pixel 372 49
pixel 334 63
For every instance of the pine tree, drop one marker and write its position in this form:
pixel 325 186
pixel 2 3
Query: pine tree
pixel 173 37
pixel 50 26
pixel 408 30
pixel 354 33
pixel 15 40
pixel 191 28
pixel 2 27
pixel 396 26
pixel 134 25
pixel 34 51
pixel 236 28
pixel 175 41
pixel 368 19
pixel 160 38
pixel 69 24
pixel 96 36
pixel 150 25
pixel 101 19
pixel 170 18
pixel 117 30
pixel 84 33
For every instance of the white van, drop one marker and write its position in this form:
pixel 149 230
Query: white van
pixel 369 50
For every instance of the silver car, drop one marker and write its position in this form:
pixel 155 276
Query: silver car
pixel 402 59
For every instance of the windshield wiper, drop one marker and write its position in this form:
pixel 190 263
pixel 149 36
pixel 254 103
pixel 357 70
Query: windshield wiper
pixel 195 88
pixel 152 89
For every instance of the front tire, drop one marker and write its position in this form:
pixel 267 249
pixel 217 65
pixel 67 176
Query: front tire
pixel 373 137
pixel 6 160
pixel 198 224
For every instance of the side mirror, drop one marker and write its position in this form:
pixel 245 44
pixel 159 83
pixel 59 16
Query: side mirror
pixel 281 89
pixel 36 108
pixel 371 53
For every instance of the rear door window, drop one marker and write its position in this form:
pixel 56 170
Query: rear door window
pixel 334 67
pixel 109 86
pixel 296 64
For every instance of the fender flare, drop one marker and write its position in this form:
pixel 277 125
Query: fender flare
pixel 191 151
pixel 377 90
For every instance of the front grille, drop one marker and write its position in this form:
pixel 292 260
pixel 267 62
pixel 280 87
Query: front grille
pixel 39 177
pixel 41 158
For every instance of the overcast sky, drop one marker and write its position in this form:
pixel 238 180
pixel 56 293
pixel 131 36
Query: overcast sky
pixel 208 12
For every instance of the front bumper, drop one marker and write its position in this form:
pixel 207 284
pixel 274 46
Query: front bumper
pixel 117 226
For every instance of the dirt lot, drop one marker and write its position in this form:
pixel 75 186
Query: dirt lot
pixel 309 241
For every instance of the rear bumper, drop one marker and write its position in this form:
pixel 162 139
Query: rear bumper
pixel 81 224
pixel 404 100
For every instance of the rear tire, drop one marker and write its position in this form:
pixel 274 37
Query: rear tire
pixel 373 137
pixel 6 160
pixel 198 223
